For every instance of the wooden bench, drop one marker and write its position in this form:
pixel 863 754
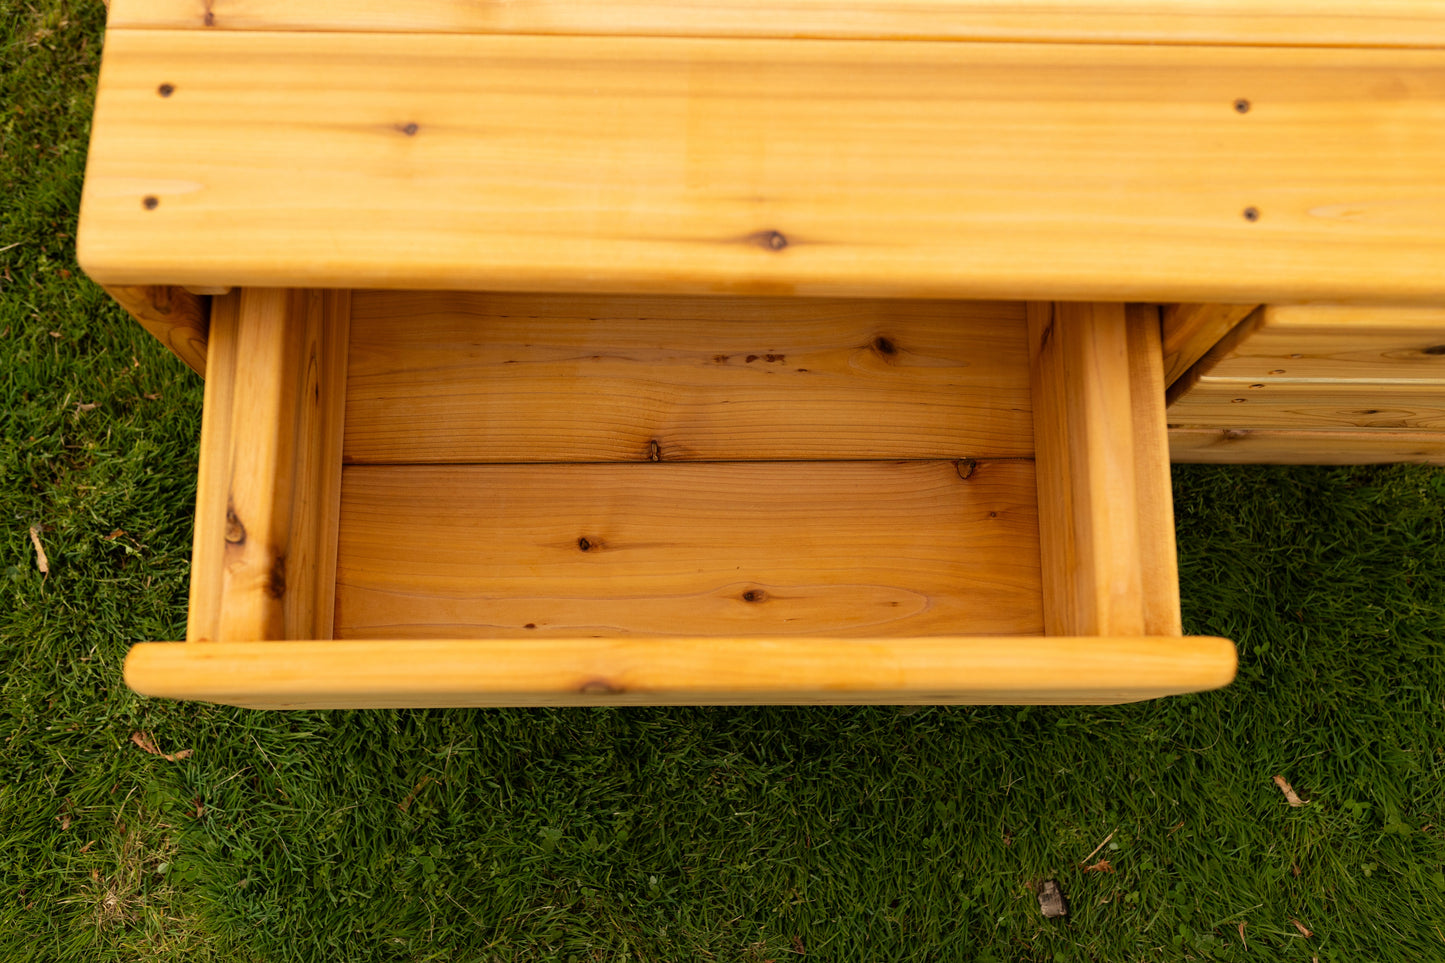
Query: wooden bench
pixel 640 353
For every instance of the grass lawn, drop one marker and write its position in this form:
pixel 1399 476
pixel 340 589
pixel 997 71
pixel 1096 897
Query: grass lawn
pixel 671 834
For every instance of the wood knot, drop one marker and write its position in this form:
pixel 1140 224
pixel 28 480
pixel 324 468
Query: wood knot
pixel 600 687
pixel 965 468
pixel 150 202
pixel 1434 349
pixel 1251 214
pixel 768 240
pixel 1241 106
pixel 585 544
pixel 408 129
pixel 654 451
pixel 165 90
pixel 885 346
pixel 235 531
pixel 755 595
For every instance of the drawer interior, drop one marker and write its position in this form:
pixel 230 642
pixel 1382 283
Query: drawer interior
pixel 549 466
pixel 443 498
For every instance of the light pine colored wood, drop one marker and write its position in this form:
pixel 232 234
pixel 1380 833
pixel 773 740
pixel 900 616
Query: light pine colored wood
pixel 1230 446
pixel 178 319
pixel 1319 367
pixel 1097 443
pixel 1394 23
pixel 452 377
pixel 1045 171
pixel 263 566
pixel 319 420
pixel 1221 403
pixel 1185 383
pixel 680 671
pixel 213 474
pixel 1190 330
pixel 1334 343
pixel 1153 487
pixel 805 548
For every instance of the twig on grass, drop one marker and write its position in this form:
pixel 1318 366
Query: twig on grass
pixel 1098 847
pixel 41 562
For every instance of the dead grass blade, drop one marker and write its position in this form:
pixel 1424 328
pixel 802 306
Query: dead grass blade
pixel 1289 794
pixel 146 743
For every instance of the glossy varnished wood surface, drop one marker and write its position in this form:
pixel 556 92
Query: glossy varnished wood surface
pixel 453 377
pixel 988 170
pixel 820 548
pixel 679 671
pixel 1398 23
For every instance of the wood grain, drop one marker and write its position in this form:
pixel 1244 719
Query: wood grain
pixel 319 421
pixel 267 492
pixel 1229 403
pixel 213 474
pixel 1190 330
pixel 1366 343
pixel 991 170
pixel 179 319
pixel 1230 446
pixel 452 377
pixel 1395 23
pixel 680 671
pixel 824 548
pixel 1153 486
pixel 1097 443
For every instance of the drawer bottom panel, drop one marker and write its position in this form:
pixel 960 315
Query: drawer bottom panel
pixel 784 548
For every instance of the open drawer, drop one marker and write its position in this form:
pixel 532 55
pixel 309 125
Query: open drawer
pixel 437 498
pixel 706 467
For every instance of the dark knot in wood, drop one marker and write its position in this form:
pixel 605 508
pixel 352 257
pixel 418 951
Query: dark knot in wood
pixel 768 240
pixel 235 530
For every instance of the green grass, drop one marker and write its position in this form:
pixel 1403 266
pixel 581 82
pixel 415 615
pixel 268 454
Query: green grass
pixel 671 834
